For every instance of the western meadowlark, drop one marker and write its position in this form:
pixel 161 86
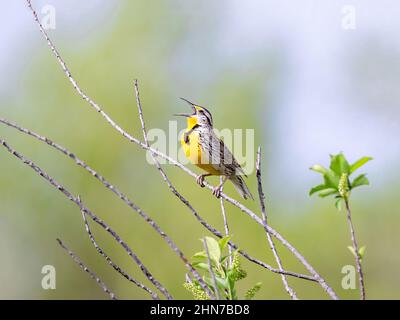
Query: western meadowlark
pixel 204 149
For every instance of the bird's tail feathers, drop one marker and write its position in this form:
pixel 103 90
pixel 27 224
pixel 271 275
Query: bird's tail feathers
pixel 241 187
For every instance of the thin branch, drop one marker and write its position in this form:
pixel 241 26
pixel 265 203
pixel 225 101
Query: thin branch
pixel 244 209
pixel 289 290
pixel 95 218
pixel 127 201
pixel 140 111
pixel 214 279
pixel 226 226
pixel 111 263
pixel 86 269
pixel 356 250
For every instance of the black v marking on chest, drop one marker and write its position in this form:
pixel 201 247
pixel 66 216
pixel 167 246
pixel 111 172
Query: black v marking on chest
pixel 186 134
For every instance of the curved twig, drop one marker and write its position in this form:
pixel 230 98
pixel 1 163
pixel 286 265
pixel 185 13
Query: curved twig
pixel 86 269
pixel 111 263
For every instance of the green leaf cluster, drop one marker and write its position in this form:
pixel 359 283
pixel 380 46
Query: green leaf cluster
pixel 252 291
pixel 226 273
pixel 196 290
pixel 336 178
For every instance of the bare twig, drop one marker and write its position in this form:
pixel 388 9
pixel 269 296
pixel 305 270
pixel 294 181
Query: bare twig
pixel 111 263
pixel 95 218
pixel 86 269
pixel 289 290
pixel 226 226
pixel 217 293
pixel 356 250
pixel 127 201
pixel 244 209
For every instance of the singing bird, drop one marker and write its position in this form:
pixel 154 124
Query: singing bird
pixel 204 149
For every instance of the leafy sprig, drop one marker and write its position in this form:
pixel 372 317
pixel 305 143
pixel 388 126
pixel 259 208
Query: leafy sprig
pixel 338 183
pixel 226 274
pixel 337 180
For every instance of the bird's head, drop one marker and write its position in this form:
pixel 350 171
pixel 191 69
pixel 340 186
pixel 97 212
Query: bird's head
pixel 200 116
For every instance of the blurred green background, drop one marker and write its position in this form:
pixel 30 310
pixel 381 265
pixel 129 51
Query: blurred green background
pixel 288 70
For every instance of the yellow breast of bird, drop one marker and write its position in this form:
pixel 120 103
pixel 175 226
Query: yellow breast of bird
pixel 194 152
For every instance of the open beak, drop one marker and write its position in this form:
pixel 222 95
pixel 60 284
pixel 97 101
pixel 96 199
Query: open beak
pixel 186 114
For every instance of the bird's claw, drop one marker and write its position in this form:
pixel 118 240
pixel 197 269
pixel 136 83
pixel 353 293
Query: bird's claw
pixel 200 180
pixel 217 192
